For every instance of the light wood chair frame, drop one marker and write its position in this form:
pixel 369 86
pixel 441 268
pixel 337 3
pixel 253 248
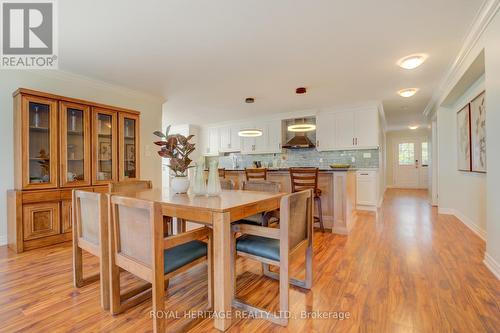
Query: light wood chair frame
pixel 154 275
pixel 222 173
pixel 101 250
pixel 256 173
pixel 286 255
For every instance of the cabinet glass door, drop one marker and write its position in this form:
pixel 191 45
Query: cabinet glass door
pixel 104 145
pixel 75 144
pixel 129 146
pixel 39 142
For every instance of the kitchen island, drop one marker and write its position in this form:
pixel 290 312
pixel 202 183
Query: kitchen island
pixel 338 196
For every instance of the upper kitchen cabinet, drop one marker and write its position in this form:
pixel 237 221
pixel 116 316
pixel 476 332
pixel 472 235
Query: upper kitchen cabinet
pixel 74 123
pixel 128 131
pixel 211 141
pixel 357 129
pixel 105 144
pixel 268 142
pixel 229 141
pixel 35 142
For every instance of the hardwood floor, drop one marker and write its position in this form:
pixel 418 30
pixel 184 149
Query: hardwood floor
pixel 407 270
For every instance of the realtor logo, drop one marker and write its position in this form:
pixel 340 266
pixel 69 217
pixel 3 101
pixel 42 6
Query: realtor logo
pixel 28 34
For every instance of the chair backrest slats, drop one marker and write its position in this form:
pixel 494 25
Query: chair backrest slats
pixel 304 179
pixel 261 185
pixel 130 185
pixel 222 172
pixel 256 173
pixel 296 217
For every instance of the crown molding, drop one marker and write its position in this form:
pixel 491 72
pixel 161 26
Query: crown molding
pixel 481 21
pixel 98 84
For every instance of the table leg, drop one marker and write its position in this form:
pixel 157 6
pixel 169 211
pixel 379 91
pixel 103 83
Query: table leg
pixel 222 276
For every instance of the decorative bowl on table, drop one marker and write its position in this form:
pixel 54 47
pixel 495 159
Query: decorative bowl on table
pixel 340 166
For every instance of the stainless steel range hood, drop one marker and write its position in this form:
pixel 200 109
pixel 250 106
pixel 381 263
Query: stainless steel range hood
pixel 298 140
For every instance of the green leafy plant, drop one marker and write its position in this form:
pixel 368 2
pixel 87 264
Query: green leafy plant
pixel 177 148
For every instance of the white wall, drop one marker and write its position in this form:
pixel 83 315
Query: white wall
pixel 460 193
pixel 78 87
pixel 492 83
pixel 392 138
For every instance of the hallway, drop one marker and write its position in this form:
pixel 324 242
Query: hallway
pixel 409 270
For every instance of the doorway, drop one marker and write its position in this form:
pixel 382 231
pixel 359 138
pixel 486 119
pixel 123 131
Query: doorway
pixel 411 163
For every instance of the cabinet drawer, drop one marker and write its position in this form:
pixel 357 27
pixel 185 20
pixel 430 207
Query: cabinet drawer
pixel 41 220
pixel 41 196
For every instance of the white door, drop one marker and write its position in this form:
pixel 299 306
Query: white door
pixel 411 163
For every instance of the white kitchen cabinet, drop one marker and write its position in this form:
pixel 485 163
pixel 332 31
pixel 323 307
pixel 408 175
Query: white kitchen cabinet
pixel 344 130
pixel 325 131
pixel 366 128
pixel 212 139
pixel 366 189
pixel 229 141
pixel 356 129
pixel 268 142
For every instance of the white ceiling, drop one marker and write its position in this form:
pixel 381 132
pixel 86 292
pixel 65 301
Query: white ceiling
pixel 205 57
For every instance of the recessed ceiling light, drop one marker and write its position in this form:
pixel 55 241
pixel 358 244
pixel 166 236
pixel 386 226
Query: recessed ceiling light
pixel 407 92
pixel 413 127
pixel 301 128
pixel 250 132
pixel 412 61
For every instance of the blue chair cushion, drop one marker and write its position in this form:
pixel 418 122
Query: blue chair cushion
pixel 183 254
pixel 259 246
pixel 256 219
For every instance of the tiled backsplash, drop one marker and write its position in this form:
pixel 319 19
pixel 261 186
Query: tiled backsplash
pixel 302 158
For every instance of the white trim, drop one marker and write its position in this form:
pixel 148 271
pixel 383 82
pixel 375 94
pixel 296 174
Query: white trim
pixel 381 200
pixel 465 220
pixel 492 265
pixel 366 208
pixel 479 25
pixel 98 84
pixel 3 240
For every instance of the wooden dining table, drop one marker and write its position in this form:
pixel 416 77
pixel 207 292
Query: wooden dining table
pixel 218 212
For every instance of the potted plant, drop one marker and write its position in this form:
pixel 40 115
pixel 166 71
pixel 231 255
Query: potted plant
pixel 176 148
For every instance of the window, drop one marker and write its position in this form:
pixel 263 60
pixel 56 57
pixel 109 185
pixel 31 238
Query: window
pixel 425 154
pixel 406 153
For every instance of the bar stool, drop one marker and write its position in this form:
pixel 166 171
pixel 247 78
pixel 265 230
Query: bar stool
pixel 307 179
pixel 256 173
pixel 222 173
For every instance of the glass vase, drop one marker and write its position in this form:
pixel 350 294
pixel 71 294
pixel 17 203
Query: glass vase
pixel 200 185
pixel 213 188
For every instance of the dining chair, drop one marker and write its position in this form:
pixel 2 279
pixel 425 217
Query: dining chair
pixel 262 186
pixel 90 233
pixel 278 247
pixel 226 184
pixel 137 245
pixel 137 185
pixel 222 172
pixel 305 179
pixel 256 173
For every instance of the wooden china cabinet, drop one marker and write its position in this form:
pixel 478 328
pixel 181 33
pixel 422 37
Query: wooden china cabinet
pixel 60 144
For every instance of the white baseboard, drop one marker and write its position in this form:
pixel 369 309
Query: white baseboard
pixel 381 201
pixel 492 265
pixel 3 240
pixel 465 220
pixel 366 208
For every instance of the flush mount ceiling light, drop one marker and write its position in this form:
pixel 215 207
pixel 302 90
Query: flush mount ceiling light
pixel 250 132
pixel 407 92
pixel 300 90
pixel 249 100
pixel 412 61
pixel 301 128
pixel 413 127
